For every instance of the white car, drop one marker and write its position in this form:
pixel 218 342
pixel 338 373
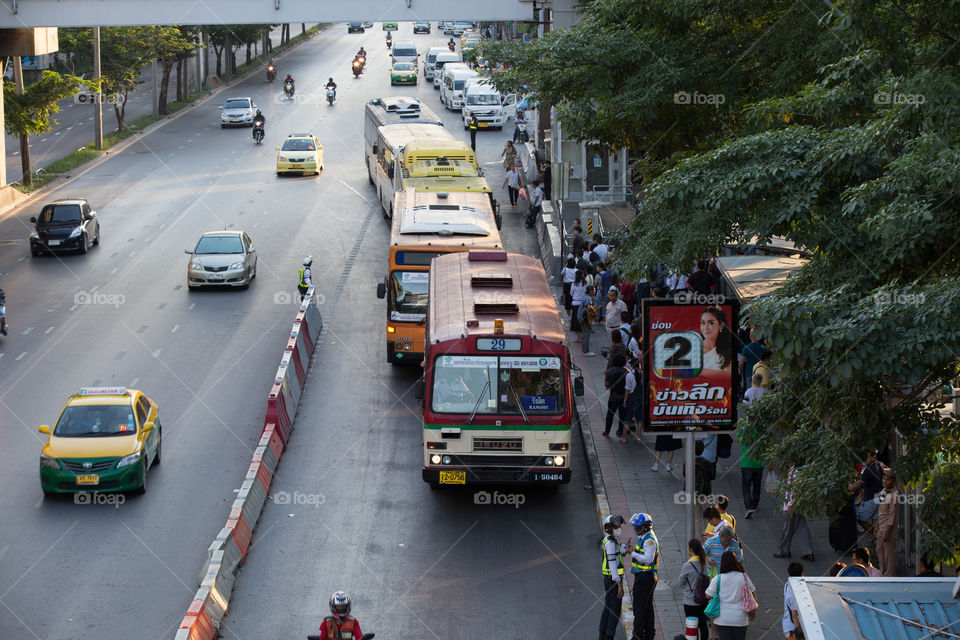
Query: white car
pixel 222 258
pixel 237 112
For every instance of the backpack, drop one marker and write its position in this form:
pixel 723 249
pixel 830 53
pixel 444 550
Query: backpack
pixel 700 589
pixel 703 476
pixel 842 531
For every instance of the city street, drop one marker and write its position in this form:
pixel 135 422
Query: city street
pixel 355 514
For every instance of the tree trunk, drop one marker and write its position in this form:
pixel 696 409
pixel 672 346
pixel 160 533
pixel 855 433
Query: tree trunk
pixel 303 28
pixel 180 82
pixel 249 52
pixel 25 160
pixel 120 112
pixel 219 53
pixel 164 83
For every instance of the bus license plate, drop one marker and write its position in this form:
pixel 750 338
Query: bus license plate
pixel 453 477
pixel 548 477
pixel 483 124
pixel 88 479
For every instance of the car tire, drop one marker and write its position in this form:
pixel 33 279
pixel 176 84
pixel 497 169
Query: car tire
pixel 223 126
pixel 83 243
pixel 142 489
pixel 35 252
pixel 96 240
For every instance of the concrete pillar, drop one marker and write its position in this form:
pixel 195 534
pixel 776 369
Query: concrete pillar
pixel 3 146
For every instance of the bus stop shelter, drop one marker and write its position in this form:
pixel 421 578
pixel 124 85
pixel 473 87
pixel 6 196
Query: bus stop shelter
pixel 754 276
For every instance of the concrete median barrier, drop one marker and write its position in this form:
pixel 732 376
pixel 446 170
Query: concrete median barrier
pixel 277 412
pixel 197 625
pixel 311 314
pixel 292 386
pixel 271 440
pixel 250 501
pixel 297 346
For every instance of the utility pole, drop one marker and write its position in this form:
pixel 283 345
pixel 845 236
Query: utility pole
pixel 97 111
pixel 24 138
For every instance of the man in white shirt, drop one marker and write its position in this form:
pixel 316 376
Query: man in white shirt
pixel 791 615
pixel 615 306
pixel 602 249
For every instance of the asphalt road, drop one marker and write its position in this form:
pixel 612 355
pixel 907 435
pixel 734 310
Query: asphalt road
pixel 415 561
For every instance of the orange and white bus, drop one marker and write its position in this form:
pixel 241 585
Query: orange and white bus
pixel 497 390
pixel 429 224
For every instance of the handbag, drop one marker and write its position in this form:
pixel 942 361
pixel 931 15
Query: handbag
pixel 770 484
pixel 713 607
pixel 750 604
pixel 523 193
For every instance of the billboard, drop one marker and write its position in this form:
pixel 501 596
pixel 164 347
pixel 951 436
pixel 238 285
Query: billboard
pixel 690 365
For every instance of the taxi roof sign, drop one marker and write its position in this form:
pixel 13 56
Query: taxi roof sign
pixel 103 391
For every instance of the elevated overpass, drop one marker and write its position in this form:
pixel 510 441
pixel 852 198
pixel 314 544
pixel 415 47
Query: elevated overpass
pixel 87 13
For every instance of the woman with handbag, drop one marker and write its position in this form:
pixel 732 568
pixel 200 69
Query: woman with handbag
pixel 693 582
pixel 733 602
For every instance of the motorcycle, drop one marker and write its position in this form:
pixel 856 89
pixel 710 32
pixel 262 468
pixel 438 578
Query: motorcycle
pixel 357 68
pixel 331 95
pixel 288 89
pixel 453 47
pixel 366 636
pixel 257 131
pixel 389 43
pixel 3 314
pixel 271 73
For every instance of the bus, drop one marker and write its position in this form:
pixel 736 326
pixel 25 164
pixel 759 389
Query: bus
pixel 428 224
pixel 497 391
pixel 393 110
pixel 426 159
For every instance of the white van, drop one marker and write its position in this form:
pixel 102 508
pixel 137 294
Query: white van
pixel 404 51
pixel 430 59
pixel 451 89
pixel 444 58
pixel 491 108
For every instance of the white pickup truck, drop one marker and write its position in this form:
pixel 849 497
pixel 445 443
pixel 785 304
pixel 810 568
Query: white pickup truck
pixel 491 107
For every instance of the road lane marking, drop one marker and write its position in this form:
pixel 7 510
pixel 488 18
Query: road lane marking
pixel 175 327
pixel 21 356
pixel 156 354
pixel 192 305
pixel 114 270
pixel 142 328
pixel 162 306
pixel 49 330
pixel 133 383
pixel 73 307
pixel 27 331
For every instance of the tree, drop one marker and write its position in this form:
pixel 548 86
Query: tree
pixel 31 113
pixel 169 44
pixel 861 165
pixel 124 52
pixel 627 73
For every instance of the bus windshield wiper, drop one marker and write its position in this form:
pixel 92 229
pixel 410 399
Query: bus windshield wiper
pixel 519 403
pixel 476 407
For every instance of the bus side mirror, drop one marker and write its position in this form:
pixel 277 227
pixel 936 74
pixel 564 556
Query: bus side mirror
pixel 381 290
pixel 418 390
pixel 578 386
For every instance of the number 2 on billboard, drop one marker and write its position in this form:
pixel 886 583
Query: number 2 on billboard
pixel 678 354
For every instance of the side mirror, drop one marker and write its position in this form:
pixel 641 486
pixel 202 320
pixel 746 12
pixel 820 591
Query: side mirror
pixel 148 425
pixel 381 290
pixel 220 107
pixel 188 252
pixel 578 386
pixel 44 428
pixel 277 148
pixel 33 218
pixel 252 249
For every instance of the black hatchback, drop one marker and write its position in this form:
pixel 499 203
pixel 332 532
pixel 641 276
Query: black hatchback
pixel 354 27
pixel 65 225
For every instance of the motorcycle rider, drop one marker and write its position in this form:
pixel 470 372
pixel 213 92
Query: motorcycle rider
pixel 258 121
pixel 288 82
pixel 331 85
pixel 3 313
pixel 340 625
pixel 271 69
pixel 452 45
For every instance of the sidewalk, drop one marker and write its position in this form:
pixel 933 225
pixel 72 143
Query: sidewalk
pixel 631 486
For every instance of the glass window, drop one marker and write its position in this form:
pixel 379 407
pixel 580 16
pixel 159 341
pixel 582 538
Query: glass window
pixel 508 385
pixel 61 213
pixel 143 411
pixel 408 295
pixel 100 420
pixel 404 66
pixel 213 245
pixel 298 144
pixel 483 99
pixel 236 104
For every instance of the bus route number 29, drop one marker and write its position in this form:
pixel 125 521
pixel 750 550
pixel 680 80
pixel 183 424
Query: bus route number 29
pixel 678 354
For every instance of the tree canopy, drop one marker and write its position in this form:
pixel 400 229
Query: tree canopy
pixel 838 132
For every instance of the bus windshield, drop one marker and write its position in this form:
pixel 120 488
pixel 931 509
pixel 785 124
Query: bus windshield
pixel 408 295
pixel 497 385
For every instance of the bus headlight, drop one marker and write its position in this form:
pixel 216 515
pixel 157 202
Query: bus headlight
pixel 435 459
pixel 406 346
pixel 558 461
pixel 446 459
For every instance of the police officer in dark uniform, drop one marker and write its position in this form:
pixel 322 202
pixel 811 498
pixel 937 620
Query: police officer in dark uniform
pixel 645 561
pixel 613 578
pixel 474 125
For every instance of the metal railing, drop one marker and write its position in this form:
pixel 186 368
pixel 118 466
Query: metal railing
pixel 612 193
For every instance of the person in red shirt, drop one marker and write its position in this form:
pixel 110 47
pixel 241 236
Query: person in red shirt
pixel 340 625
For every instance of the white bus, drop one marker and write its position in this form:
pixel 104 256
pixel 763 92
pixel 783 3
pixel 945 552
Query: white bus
pixel 392 110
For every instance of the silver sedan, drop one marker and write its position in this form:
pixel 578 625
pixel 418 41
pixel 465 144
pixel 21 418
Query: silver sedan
pixel 222 258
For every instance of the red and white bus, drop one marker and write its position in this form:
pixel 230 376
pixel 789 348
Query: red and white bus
pixel 497 396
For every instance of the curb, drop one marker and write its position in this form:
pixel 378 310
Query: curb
pixel 57 183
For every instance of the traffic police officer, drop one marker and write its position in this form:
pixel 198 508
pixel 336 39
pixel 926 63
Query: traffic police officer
pixel 645 560
pixel 474 125
pixel 306 277
pixel 612 569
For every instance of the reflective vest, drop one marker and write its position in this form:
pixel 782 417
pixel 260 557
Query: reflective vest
pixel 345 628
pixel 606 567
pixel 473 124
pixel 635 566
pixel 303 272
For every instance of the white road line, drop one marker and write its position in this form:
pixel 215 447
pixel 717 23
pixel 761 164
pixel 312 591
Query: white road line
pixel 192 305
pixel 115 269
pixel 156 354
pixel 133 383
pixel 27 331
pixel 175 327
pixel 133 253
pixel 21 356
pixel 73 307
pixel 49 330
pixel 94 289
pixel 1 354
pixel 21 259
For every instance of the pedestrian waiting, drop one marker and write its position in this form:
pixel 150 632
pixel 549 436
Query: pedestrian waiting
pixel 732 616
pixel 692 582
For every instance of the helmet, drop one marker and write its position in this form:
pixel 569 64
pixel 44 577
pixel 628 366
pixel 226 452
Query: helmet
pixel 340 604
pixel 330 79
pixel 307 262
pixel 259 113
pixel 641 520
pixel 612 522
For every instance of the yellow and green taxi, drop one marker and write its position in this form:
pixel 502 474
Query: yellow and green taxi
pixel 301 153
pixel 105 439
pixel 403 73
pixel 389 26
